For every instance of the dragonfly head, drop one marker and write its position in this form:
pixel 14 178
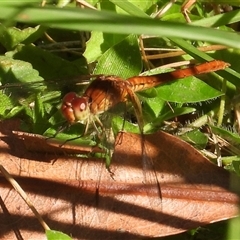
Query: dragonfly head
pixel 75 108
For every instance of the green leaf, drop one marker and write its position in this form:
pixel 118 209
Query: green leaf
pixel 99 43
pixel 17 71
pixel 123 59
pixel 152 107
pixel 119 124
pixel 11 37
pixel 188 90
pixel 56 235
pixel 196 138
pixel 157 122
pixel 48 65
pixel 73 134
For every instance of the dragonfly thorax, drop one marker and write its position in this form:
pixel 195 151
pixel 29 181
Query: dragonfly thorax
pixel 75 109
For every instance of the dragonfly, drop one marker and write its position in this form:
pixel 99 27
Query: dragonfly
pixel 102 94
pixel 105 92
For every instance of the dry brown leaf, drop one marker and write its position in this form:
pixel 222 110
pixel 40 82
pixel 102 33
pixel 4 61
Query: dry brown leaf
pixel 81 198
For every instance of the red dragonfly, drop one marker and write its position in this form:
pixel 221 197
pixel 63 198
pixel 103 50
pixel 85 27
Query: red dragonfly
pixel 107 91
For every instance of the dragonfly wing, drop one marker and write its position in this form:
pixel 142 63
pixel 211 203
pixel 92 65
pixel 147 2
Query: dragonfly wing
pixel 134 154
pixel 150 176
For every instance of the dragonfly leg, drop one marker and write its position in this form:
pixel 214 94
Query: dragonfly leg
pixel 86 128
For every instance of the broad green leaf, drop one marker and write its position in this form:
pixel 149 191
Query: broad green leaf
pixel 49 65
pixel 189 90
pixel 119 124
pixel 56 235
pixel 73 135
pixel 157 122
pixel 99 43
pixel 123 59
pixel 152 107
pixel 11 37
pixel 196 138
pixel 17 71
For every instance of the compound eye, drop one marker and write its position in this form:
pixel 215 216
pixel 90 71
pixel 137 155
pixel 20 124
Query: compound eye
pixel 79 104
pixel 67 107
pixel 69 97
pixel 75 108
pixel 80 108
